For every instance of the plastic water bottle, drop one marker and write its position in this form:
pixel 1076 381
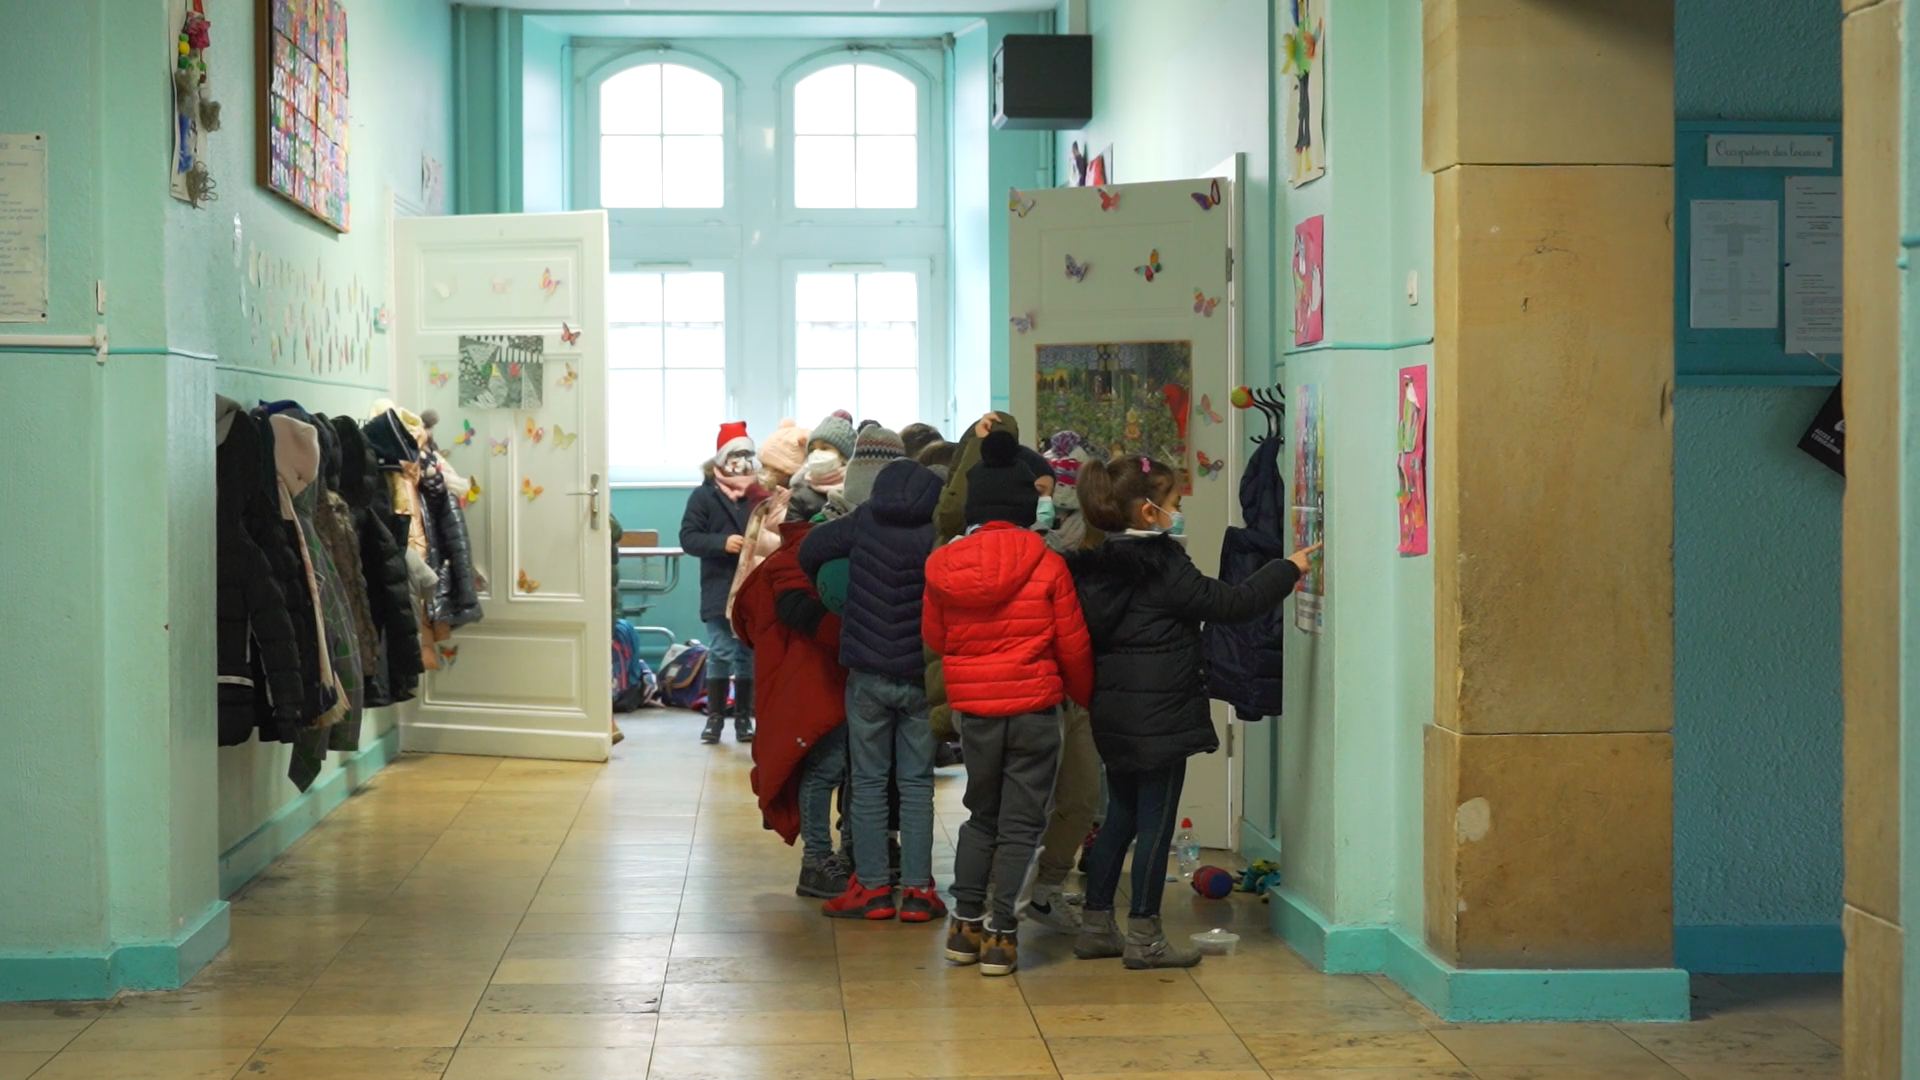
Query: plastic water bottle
pixel 1186 849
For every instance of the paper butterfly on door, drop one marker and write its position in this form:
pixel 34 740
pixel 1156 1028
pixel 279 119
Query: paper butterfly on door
pixel 445 288
pixel 528 584
pixel 499 446
pixel 1021 207
pixel 1077 271
pixel 500 285
pixel 530 489
pixel 1109 200
pixel 1209 198
pixel 449 655
pixel 1209 467
pixel 568 334
pixel 563 438
pixel 1152 266
pixel 435 375
pixel 1203 304
pixel 473 492
pixel 569 377
pixel 1204 411
pixel 466 433
pixel 548 283
pixel 1023 323
pixel 535 433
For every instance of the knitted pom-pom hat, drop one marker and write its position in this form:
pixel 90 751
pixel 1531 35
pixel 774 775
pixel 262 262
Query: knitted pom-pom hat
pixel 874 447
pixel 1000 487
pixel 732 437
pixel 785 450
pixel 836 431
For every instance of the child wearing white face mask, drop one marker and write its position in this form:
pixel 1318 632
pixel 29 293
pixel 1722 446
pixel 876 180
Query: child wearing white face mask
pixel 824 470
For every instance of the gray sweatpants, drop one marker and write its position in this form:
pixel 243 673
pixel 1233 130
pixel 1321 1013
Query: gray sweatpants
pixel 1011 762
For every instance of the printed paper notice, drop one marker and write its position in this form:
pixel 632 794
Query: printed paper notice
pixel 23 228
pixel 1813 299
pixel 1735 267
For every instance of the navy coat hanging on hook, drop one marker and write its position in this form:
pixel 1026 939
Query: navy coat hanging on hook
pixel 1244 661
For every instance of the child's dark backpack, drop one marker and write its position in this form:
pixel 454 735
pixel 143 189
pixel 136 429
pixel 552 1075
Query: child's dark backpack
pixel 634 685
pixel 683 676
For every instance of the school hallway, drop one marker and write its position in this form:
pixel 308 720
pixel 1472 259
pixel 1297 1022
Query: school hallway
pixel 499 919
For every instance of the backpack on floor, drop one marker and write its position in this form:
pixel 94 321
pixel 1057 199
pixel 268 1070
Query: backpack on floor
pixel 634 684
pixel 683 676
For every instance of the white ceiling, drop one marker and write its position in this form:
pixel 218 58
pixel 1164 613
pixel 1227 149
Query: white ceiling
pixel 776 7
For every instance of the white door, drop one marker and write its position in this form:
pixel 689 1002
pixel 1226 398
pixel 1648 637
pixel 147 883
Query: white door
pixel 1143 364
pixel 531 678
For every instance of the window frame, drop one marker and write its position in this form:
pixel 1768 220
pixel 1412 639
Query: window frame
pixel 930 180
pixel 930 330
pixel 687 473
pixel 587 173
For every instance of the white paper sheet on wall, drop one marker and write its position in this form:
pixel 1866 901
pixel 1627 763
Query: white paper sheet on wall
pixel 23 227
pixel 1734 269
pixel 1813 298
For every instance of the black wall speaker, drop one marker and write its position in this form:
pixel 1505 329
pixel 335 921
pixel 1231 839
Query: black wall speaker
pixel 1043 82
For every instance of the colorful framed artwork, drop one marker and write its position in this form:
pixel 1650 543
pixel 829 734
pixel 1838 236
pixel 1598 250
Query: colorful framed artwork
pixel 304 106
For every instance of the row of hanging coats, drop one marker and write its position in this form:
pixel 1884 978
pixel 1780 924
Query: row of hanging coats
pixel 343 563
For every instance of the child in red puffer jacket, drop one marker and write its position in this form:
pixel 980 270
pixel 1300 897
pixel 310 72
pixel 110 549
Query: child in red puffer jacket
pixel 1001 611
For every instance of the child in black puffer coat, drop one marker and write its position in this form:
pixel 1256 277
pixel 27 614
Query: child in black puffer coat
pixel 1144 602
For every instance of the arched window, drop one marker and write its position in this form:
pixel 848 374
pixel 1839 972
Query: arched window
pixel 856 139
pixel 662 138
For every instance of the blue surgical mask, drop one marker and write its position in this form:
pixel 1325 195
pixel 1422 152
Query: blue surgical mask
pixel 1177 523
pixel 1043 514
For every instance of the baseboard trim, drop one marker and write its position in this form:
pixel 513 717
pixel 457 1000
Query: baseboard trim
pixel 253 852
pixel 433 738
pixel 1478 995
pixel 159 965
pixel 1760 950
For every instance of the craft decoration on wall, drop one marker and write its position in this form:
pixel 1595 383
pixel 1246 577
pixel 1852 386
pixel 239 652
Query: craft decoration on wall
pixel 548 283
pixel 466 434
pixel 303 155
pixel 1126 398
pixel 1204 304
pixel 530 489
pixel 502 372
pixel 1209 198
pixel 1309 280
pixel 1077 165
pixel 1302 52
pixel 1109 200
pixel 1077 271
pixel 449 655
pixel 500 285
pixel 569 335
pixel 436 376
pixel 1309 509
pixel 195 113
pixel 473 492
pixel 569 376
pixel 1209 467
pixel 301 315
pixel 1151 267
pixel 1021 207
pixel 1204 410
pixel 1100 169
pixel 446 289
pixel 528 584
pixel 499 446
pixel 562 438
pixel 1411 460
pixel 535 432
pixel 1023 323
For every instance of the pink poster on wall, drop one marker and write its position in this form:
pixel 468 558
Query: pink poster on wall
pixel 1411 461
pixel 1309 280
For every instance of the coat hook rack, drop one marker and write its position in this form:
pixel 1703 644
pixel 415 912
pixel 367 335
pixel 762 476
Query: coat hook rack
pixel 1271 403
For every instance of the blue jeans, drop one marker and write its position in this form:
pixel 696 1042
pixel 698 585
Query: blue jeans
pixel 726 655
pixel 887 729
pixel 822 770
pixel 1144 805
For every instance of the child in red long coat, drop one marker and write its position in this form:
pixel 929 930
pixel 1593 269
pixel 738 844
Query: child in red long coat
pixel 800 699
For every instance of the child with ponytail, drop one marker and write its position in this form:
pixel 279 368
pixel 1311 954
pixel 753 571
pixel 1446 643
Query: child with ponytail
pixel 1144 602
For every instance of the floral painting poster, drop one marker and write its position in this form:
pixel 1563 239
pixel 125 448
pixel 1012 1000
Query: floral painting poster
pixel 1127 398
pixel 502 372
pixel 1303 49
pixel 1411 460
pixel 1309 280
pixel 1309 509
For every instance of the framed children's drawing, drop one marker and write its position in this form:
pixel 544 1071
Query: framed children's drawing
pixel 303 106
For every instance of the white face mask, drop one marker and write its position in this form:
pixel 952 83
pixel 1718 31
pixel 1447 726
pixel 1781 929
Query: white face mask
pixel 821 462
pixel 738 463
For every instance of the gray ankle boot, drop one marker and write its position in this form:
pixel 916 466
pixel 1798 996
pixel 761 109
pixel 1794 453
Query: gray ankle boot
pixel 1147 947
pixel 1099 938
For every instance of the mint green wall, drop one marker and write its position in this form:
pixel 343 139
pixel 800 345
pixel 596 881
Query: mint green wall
pixel 660 508
pixel 545 90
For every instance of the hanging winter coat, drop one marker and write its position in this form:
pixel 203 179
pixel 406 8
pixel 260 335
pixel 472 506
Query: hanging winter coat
pixel 1245 659
pixel 334 519
pixel 801 691
pixel 763 539
pixel 259 657
pixel 297 454
pixel 394 673
pixel 455 600
pixel 277 533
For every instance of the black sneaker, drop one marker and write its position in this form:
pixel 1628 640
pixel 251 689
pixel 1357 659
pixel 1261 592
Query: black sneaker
pixel 999 952
pixel 822 878
pixel 711 733
pixel 743 729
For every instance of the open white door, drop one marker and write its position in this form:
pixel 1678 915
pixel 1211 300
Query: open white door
pixel 1097 344
pixel 530 679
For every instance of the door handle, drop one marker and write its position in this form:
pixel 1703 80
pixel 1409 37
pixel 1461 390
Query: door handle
pixel 593 501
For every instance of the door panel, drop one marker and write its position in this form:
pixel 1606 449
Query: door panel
pixel 1113 302
pixel 530 679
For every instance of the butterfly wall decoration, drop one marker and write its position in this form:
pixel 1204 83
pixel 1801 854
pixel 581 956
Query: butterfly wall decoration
pixel 535 433
pixel 445 289
pixel 1210 468
pixel 500 285
pixel 1151 267
pixel 499 446
pixel 1023 323
pixel 449 655
pixel 466 433
pixel 436 376
pixel 563 438
pixel 530 489
pixel 568 334
pixel 548 283
pixel 1109 200
pixel 1204 411
pixel 1204 304
pixel 1077 271
pixel 528 584
pixel 473 491
pixel 569 376
pixel 1021 207
pixel 1209 198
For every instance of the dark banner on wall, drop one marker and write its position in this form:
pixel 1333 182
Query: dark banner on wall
pixel 1826 439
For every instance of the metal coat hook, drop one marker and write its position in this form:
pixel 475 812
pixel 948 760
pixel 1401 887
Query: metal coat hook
pixel 1272 404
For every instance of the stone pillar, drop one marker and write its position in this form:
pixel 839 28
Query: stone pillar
pixel 1870 537
pixel 1549 800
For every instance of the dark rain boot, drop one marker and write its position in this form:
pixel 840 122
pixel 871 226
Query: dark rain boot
pixel 716 711
pixel 742 710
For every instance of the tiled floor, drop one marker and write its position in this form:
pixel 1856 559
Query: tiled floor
pixel 480 919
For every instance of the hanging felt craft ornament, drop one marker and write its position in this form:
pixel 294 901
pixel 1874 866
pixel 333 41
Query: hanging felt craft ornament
pixel 195 113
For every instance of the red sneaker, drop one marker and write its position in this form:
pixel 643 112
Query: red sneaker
pixel 921 905
pixel 860 902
